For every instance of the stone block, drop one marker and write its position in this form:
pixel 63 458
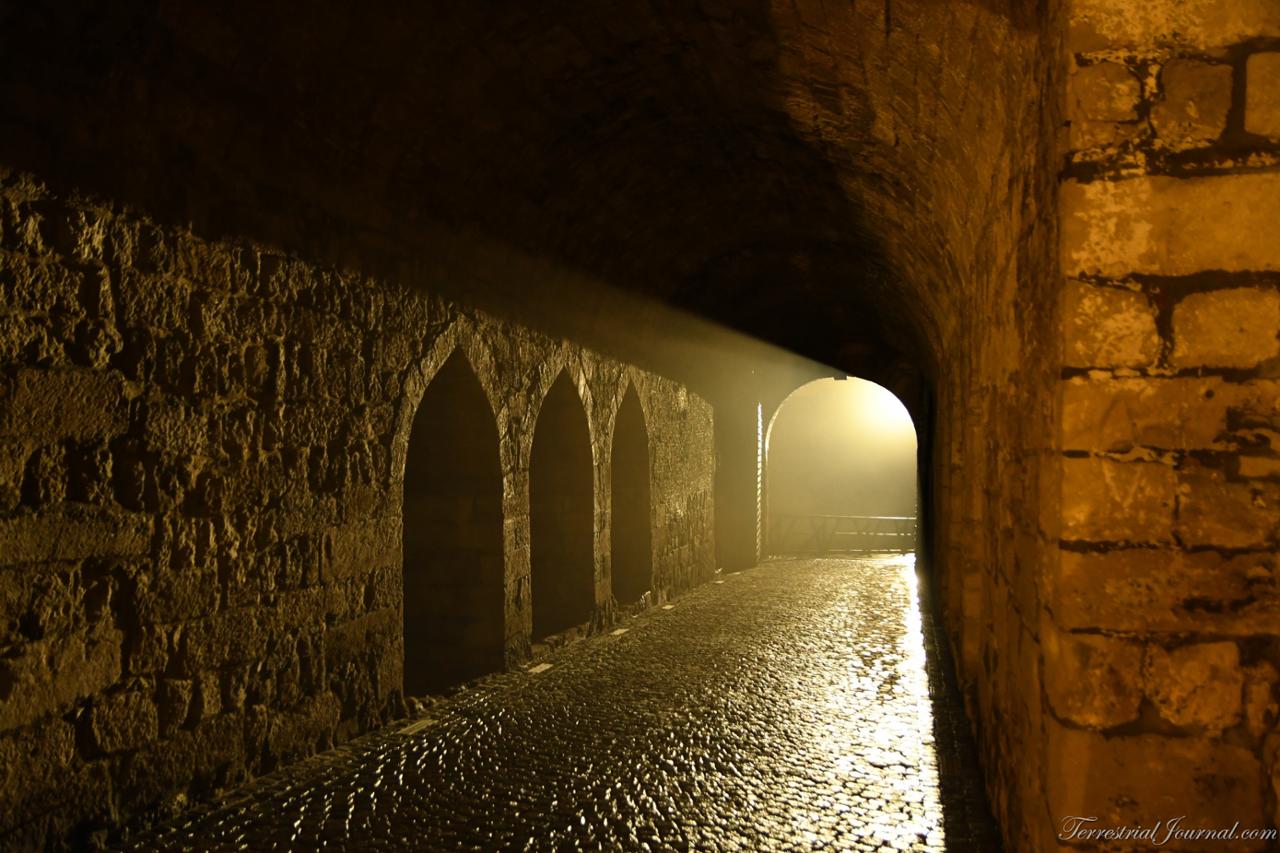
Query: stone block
pixel 177 596
pixel 190 759
pixel 1105 500
pixel 1197 98
pixel 36 762
pixel 89 474
pixel 206 697
pixel 1104 91
pixel 74 534
pixel 50 675
pixel 34 285
pixel 294 734
pixel 13 464
pixel 1121 414
pixel 1148 590
pixel 360 546
pixel 148 650
pixel 1214 511
pixel 1236 327
pixel 122 721
pixel 173 703
pixel 175 427
pixel 1148 26
pixel 1260 707
pixel 1086 134
pixel 1108 327
pixel 1259 467
pixel 349 642
pixel 1254 406
pixel 1092 680
pixel 1139 779
pixel 42 406
pixel 227 637
pixel 1170 226
pixel 1200 685
pixel 1262 95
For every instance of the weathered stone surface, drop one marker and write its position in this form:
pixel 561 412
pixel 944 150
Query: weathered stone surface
pixel 1139 779
pixel 206 698
pixel 179 596
pixel 1259 467
pixel 1118 415
pixel 1105 91
pixel 173 704
pixel 1204 407
pixel 1213 510
pixel 1262 97
pixel 200 521
pixel 38 406
pixel 1254 407
pixel 1170 226
pixel 74 534
pixel 1149 590
pixel 1110 501
pixel 1271 752
pixel 1197 98
pixel 1260 706
pixel 361 547
pixel 1108 327
pixel 201 759
pixel 1160 24
pixel 1237 327
pixel 122 721
pixel 35 778
pixel 1092 680
pixel 1087 134
pixel 52 674
pixel 1198 685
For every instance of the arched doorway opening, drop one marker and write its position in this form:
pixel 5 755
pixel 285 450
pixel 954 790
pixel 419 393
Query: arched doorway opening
pixel 561 514
pixel 632 552
pixel 840 471
pixel 453 555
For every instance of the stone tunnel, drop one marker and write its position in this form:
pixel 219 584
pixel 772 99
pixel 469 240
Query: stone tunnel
pixel 351 352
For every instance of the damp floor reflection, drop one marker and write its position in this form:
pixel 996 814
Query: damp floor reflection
pixel 785 708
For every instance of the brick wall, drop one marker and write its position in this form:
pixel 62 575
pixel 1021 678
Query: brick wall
pixel 202 447
pixel 1160 629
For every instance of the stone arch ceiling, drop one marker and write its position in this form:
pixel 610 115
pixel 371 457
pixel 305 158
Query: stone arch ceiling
pixel 826 175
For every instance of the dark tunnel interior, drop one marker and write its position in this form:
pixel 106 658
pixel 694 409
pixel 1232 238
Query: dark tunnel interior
pixel 390 388
pixel 632 546
pixel 561 508
pixel 453 571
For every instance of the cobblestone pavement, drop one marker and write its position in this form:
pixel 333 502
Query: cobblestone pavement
pixel 782 708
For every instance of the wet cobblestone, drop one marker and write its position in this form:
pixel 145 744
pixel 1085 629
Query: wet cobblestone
pixel 785 708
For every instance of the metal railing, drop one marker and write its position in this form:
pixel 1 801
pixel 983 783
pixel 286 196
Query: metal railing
pixel 834 534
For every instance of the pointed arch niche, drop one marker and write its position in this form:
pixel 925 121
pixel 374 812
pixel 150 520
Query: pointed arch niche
pixel 561 511
pixel 453 553
pixel 632 548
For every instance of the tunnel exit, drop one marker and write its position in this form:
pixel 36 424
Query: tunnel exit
pixel 840 471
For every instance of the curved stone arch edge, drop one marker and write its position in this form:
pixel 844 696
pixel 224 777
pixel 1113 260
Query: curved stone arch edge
pixel 601 384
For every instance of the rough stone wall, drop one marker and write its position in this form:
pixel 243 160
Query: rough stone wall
pixel 1161 628
pixel 988 501
pixel 201 453
pixel 941 119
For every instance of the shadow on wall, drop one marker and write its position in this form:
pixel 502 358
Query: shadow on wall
pixel 561 512
pixel 632 538
pixel 593 140
pixel 453 554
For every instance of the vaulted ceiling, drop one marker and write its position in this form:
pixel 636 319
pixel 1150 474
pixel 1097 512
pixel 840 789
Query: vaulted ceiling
pixel 823 175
